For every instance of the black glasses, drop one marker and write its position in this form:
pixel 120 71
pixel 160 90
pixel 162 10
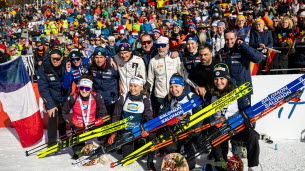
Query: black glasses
pixel 69 45
pixel 75 59
pixel 82 88
pixel 146 42
pixel 161 45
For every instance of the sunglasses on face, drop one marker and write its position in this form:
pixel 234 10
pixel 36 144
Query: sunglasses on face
pixel 97 39
pixel 111 41
pixel 115 34
pixel 146 42
pixel 84 88
pixel 161 45
pixel 55 59
pixel 69 45
pixel 39 45
pixel 75 59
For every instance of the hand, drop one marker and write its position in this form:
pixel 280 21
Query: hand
pixel 182 116
pixel 262 46
pixel 111 139
pixel 113 64
pixel 68 66
pixel 144 134
pixel 200 91
pixel 73 129
pixel 239 42
pixel 52 112
pixel 264 50
pixel 174 54
pixel 39 63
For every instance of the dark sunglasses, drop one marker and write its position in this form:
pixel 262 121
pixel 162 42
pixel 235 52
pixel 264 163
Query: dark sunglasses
pixel 39 45
pixel 75 59
pixel 55 59
pixel 115 34
pixel 69 45
pixel 161 45
pixel 97 39
pixel 84 88
pixel 146 42
pixel 111 41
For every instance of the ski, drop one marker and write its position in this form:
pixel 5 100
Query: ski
pixel 95 123
pixel 149 126
pixel 236 126
pixel 270 100
pixel 194 119
pixel 98 132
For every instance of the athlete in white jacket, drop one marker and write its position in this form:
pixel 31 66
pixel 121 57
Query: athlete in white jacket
pixel 129 65
pixel 162 67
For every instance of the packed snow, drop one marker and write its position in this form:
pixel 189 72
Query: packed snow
pixel 290 155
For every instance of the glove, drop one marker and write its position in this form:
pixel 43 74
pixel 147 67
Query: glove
pixel 111 139
pixel 73 129
pixel 144 134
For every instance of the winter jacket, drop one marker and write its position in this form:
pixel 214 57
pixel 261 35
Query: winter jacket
pixel 97 109
pixel 261 37
pixel 238 59
pixel 138 107
pixel 74 75
pixel 134 67
pixel 105 82
pixel 161 69
pixel 147 56
pixel 50 84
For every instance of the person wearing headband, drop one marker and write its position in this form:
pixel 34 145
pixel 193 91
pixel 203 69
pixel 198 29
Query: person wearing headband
pixel 50 85
pixel 86 107
pixel 136 105
pixel 178 95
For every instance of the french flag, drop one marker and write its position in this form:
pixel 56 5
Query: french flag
pixel 19 102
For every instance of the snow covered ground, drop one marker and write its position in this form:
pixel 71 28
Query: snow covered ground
pixel 289 156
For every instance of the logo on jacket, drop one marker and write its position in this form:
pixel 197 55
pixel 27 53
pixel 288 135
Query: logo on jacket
pixel 84 106
pixel 133 107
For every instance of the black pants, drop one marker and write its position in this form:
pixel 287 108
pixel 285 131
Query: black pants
pixel 53 124
pixel 250 137
pixel 78 147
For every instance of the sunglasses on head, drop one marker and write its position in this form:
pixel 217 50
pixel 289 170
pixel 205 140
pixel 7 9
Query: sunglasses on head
pixel 82 88
pixel 161 45
pixel 124 45
pixel 146 42
pixel 55 59
pixel 75 59
pixel 99 49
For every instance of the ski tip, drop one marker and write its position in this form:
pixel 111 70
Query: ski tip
pixel 112 165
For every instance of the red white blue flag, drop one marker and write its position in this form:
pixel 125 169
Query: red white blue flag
pixel 19 102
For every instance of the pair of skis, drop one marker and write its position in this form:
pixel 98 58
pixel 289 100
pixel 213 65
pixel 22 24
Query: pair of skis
pixel 230 127
pixel 194 119
pixel 87 134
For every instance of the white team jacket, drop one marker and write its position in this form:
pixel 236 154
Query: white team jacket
pixel 161 69
pixel 134 67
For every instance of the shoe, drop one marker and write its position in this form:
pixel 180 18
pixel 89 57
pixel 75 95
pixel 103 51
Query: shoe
pixel 75 157
pixel 151 166
pixel 252 168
